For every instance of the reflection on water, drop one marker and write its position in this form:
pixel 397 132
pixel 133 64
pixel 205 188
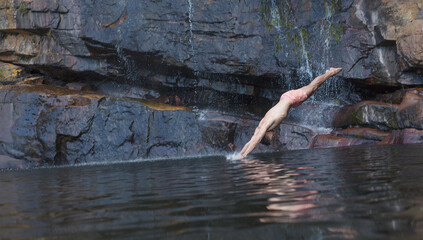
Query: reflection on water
pixel 361 192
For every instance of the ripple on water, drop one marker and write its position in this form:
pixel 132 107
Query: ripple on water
pixel 360 192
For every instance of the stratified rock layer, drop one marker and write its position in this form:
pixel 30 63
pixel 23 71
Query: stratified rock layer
pixel 151 41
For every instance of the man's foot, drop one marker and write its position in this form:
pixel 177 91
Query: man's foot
pixel 333 71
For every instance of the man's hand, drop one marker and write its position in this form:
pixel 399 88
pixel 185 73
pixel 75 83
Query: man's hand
pixel 333 71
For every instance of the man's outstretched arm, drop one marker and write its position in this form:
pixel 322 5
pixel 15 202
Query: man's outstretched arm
pixel 271 120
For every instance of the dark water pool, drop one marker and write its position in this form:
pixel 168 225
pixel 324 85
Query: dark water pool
pixel 373 192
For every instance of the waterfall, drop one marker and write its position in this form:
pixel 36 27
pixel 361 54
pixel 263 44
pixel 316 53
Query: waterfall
pixel 191 35
pixel 275 16
pixel 304 55
pixel 191 43
pixel 279 19
pixel 326 35
pixel 329 31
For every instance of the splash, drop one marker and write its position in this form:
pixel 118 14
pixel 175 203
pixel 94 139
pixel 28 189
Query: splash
pixel 234 156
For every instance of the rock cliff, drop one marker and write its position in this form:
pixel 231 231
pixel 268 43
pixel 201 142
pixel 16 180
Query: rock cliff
pixel 236 57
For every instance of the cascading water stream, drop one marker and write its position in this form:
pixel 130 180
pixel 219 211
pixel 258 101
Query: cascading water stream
pixel 325 32
pixel 304 56
pixel 275 14
pixel 192 52
pixel 190 11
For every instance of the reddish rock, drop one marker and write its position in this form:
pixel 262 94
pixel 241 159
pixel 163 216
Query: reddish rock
pixel 327 141
pixel 410 112
pixel 368 114
pixel 410 44
pixel 362 133
pixel 404 136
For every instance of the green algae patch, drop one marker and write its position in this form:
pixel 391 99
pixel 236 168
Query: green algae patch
pixel 280 15
pixel 161 106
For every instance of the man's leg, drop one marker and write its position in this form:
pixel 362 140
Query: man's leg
pixel 315 84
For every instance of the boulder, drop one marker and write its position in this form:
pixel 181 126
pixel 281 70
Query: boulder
pixel 368 114
pixel 410 111
pixel 410 44
pixel 404 136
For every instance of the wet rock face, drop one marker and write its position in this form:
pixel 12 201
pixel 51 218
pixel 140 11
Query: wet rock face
pixel 43 124
pixel 46 124
pixel 378 115
pixel 401 109
pixel 137 40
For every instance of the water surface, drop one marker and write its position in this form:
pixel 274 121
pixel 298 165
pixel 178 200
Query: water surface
pixel 367 192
